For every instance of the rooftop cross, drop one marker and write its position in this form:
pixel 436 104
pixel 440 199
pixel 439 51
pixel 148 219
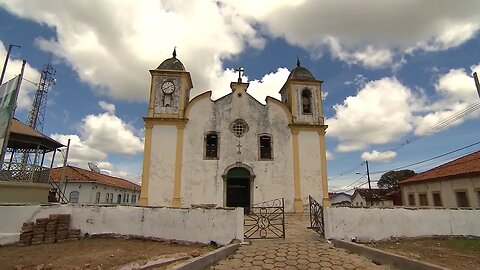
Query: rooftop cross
pixel 240 70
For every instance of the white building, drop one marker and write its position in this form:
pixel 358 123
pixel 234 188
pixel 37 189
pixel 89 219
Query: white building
pixel 233 151
pixel 85 186
pixel 379 197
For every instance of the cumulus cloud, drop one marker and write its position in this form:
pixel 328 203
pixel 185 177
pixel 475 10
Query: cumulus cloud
pixel 111 44
pixel 14 67
pixel 379 156
pixel 108 107
pixel 379 113
pixel 456 91
pixel 100 136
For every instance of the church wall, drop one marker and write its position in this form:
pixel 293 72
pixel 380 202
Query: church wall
pixel 202 180
pixel 310 165
pixel 162 165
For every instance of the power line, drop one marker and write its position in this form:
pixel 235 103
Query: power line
pixel 429 159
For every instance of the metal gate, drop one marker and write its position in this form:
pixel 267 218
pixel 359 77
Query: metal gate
pixel 265 220
pixel 316 216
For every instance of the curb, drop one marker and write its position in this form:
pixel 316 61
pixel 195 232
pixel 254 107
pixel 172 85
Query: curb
pixel 207 259
pixel 385 258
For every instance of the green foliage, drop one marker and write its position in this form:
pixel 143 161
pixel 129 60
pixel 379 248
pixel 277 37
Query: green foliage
pixel 390 179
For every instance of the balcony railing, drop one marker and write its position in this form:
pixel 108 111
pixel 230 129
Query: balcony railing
pixel 21 172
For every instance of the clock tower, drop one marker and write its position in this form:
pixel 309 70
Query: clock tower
pixel 170 89
pixel 164 128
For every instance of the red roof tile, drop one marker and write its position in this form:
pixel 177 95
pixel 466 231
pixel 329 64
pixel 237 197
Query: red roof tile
pixel 78 174
pixel 464 166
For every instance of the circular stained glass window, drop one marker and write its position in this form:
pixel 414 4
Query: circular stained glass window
pixel 239 128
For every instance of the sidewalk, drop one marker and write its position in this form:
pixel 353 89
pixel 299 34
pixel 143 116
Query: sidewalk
pixel 301 249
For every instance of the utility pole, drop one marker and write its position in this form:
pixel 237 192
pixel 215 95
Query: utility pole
pixel 477 84
pixel 6 60
pixel 369 186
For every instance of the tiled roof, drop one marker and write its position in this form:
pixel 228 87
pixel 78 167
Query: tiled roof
pixel 377 193
pixel 468 165
pixel 78 174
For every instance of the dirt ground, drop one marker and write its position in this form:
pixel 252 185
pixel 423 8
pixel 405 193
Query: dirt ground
pixel 454 253
pixel 90 253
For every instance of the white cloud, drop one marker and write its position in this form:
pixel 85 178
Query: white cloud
pixel 379 113
pixel 108 107
pixel 80 152
pixel 14 67
pixel 110 134
pixel 269 85
pixel 379 156
pixel 111 44
pixel 456 91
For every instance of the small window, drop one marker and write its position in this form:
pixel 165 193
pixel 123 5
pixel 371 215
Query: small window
pixel 361 203
pixel 462 199
pixel 265 142
pixel 119 199
pixel 134 198
pixel 111 197
pixel 97 197
pixel 239 128
pixel 422 199
pixel 124 197
pixel 73 197
pixel 211 145
pixel 306 101
pixel 411 199
pixel 107 197
pixel 437 199
pixel 128 197
pixel 356 203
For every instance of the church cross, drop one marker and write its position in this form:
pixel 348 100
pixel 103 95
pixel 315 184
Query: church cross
pixel 239 146
pixel 240 70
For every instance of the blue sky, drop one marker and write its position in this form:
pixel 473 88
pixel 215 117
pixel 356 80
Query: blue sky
pixel 391 70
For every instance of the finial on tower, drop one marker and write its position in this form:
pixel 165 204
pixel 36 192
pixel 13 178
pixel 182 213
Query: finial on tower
pixel 174 52
pixel 298 62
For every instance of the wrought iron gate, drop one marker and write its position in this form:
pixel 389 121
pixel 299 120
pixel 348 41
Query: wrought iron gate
pixel 265 220
pixel 316 216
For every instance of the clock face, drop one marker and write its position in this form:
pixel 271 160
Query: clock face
pixel 168 87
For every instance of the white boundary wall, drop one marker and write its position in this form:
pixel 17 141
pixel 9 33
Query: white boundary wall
pixel 368 224
pixel 192 225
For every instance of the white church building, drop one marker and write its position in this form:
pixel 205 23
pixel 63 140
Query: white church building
pixel 233 151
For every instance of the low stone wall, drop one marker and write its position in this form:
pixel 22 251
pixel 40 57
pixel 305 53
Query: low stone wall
pixel 366 224
pixel 192 225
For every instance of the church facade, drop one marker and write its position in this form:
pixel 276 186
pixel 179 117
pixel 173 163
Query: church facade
pixel 233 151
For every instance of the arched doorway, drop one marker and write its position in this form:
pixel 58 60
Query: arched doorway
pixel 238 187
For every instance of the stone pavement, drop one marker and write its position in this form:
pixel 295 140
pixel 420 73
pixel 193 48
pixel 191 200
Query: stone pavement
pixel 301 249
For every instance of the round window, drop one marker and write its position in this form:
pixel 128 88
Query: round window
pixel 239 128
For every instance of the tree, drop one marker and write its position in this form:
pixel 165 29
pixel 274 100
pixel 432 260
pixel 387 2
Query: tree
pixel 390 179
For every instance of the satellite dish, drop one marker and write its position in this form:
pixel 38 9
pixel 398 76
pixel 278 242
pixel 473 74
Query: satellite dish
pixel 94 167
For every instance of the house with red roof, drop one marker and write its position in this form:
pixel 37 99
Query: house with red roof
pixel 364 196
pixel 453 184
pixel 85 186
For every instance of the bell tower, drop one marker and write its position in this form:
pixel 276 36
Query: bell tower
pixel 302 94
pixel 170 89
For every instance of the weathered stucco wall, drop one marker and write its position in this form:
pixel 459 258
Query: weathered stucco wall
pixel 310 165
pixel 20 192
pixel 88 191
pixel 380 223
pixel 162 165
pixel 202 180
pixel 192 225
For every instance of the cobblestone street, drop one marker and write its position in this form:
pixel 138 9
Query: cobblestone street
pixel 301 249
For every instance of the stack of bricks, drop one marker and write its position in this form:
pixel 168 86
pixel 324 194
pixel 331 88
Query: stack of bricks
pixel 55 228
pixel 51 229
pixel 73 234
pixel 39 231
pixel 62 227
pixel 26 234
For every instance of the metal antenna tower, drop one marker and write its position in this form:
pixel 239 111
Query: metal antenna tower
pixel 37 112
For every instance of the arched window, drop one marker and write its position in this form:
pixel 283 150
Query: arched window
pixel 107 197
pixel 119 199
pixel 73 197
pixel 265 144
pixel 111 197
pixel 306 101
pixel 211 145
pixel 97 197
pixel 128 197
